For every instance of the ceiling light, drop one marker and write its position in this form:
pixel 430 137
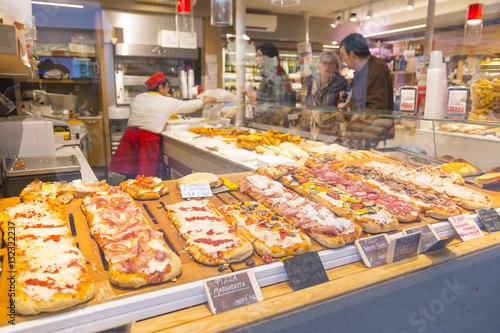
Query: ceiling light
pixel 285 2
pixel 59 4
pixel 353 17
pixel 335 24
pixel 411 5
pixel 326 46
pixel 395 30
pixel 475 14
pixel 369 15
pixel 335 42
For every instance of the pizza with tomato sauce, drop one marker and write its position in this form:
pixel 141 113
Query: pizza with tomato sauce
pixel 136 254
pixel 269 233
pixel 369 215
pixel 211 240
pixel 145 188
pixel 51 272
pixel 312 218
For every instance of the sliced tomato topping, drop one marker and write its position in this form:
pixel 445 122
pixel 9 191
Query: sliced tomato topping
pixel 357 206
pixel 267 258
pixel 282 233
pixel 334 195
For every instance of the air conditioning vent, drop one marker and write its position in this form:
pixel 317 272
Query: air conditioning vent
pixel 262 23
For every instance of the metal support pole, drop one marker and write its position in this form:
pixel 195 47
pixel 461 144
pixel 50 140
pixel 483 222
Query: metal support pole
pixel 240 61
pixel 429 31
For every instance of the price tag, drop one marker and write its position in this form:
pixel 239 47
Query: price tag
pixel 305 270
pixel 373 250
pixel 490 219
pixel 465 226
pixel 440 244
pixel 404 247
pixel 429 236
pixel 187 40
pixel 169 38
pixel 196 191
pixel 232 291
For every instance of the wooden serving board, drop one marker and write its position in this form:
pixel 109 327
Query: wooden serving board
pixel 156 215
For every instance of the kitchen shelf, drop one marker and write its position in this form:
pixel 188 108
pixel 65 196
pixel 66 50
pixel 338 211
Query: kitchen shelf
pixel 63 81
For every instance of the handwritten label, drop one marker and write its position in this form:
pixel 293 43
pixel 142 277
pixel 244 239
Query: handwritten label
pixel 440 244
pixel 169 38
pixel 196 191
pixel 187 40
pixel 305 270
pixel 465 226
pixel 490 219
pixel 232 291
pixel 429 236
pixel 404 247
pixel 373 250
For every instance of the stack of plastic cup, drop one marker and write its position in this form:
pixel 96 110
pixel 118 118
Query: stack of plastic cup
pixel 436 87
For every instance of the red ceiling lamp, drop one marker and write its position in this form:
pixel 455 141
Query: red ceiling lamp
pixel 474 24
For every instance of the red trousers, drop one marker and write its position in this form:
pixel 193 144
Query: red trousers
pixel 139 153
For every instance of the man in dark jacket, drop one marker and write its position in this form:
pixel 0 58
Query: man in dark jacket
pixel 371 91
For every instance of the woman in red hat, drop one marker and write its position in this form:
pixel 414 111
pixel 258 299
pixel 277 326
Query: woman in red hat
pixel 139 152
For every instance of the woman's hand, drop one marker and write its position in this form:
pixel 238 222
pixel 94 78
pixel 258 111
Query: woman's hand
pixel 251 95
pixel 209 99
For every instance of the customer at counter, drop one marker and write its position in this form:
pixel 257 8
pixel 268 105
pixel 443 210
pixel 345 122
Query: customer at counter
pixel 139 152
pixel 323 90
pixel 371 91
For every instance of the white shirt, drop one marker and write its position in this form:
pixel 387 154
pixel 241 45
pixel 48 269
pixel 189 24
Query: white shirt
pixel 150 111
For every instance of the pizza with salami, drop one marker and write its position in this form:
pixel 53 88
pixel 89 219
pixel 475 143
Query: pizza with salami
pixel 312 218
pixel 51 271
pixel 145 188
pixel 268 232
pixel 136 254
pixel 211 240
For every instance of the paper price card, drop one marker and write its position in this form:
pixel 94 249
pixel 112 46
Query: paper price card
pixel 373 250
pixel 196 191
pixel 305 270
pixel 465 226
pixel 490 219
pixel 404 247
pixel 429 236
pixel 232 291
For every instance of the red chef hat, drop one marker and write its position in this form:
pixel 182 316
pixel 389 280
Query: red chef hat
pixel 155 80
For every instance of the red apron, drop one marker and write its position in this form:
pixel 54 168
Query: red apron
pixel 139 153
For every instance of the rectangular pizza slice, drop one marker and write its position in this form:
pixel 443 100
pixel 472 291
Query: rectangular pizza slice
pixel 51 271
pixel 210 238
pixel 312 218
pixel 136 254
pixel 80 189
pixel 268 232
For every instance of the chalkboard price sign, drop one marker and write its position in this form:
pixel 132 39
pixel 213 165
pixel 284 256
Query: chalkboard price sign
pixel 232 291
pixel 305 270
pixel 373 250
pixel 429 236
pixel 490 219
pixel 441 243
pixel 404 247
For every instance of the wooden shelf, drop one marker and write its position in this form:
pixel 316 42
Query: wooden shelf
pixel 63 81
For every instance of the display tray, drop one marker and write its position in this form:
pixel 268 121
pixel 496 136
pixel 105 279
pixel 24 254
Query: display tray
pixel 110 298
pixel 32 166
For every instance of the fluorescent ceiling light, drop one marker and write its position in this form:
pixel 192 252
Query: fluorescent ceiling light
pixel 326 46
pixel 59 4
pixel 395 30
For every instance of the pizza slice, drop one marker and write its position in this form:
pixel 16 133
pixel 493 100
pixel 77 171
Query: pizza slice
pixel 200 178
pixel 268 232
pixel 136 254
pixel 80 189
pixel 313 219
pixel 39 190
pixel 277 171
pixel 210 238
pixel 402 209
pixel 430 204
pixel 370 216
pixel 325 158
pixel 442 185
pixel 51 272
pixel 145 188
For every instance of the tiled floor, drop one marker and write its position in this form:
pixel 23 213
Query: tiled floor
pixel 461 296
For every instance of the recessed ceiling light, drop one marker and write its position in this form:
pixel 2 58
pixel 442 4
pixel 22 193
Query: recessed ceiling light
pixel 58 4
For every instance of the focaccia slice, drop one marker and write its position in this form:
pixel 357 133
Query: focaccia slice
pixel 145 188
pixel 200 178
pixel 80 189
pixel 136 254
pixel 313 219
pixel 268 232
pixel 210 238
pixel 51 272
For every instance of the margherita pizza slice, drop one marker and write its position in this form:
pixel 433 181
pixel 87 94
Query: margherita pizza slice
pixel 80 189
pixel 370 216
pixel 145 188
pixel 210 238
pixel 267 231
pixel 313 219
pixel 136 254
pixel 51 270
